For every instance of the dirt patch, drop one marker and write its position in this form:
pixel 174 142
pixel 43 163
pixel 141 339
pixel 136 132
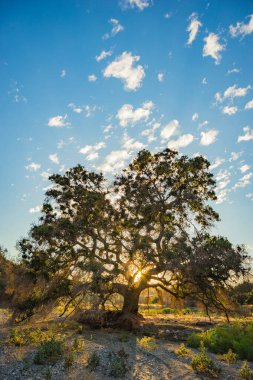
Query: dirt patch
pixel 160 363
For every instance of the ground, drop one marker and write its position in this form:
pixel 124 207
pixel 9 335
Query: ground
pixel 144 363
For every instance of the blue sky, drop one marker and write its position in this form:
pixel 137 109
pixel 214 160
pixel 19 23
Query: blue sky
pixel 93 82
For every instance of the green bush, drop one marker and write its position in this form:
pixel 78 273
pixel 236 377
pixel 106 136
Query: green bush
pixel 230 357
pixel 49 352
pixel 147 342
pixel 245 372
pixel 78 345
pixel 183 351
pixel 118 364
pixel 201 363
pixel 93 361
pixel 236 337
pixel 69 359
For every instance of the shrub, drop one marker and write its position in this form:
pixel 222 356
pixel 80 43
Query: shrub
pixel 183 351
pixel 69 359
pixel 78 345
pixel 93 361
pixel 236 337
pixel 147 342
pixel 49 352
pixel 17 338
pixel 118 364
pixel 124 338
pixel 201 363
pixel 245 372
pixel 230 357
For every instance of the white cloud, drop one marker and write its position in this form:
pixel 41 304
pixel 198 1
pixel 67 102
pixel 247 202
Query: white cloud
pixel 229 110
pixel 233 71
pixel 54 158
pixel 244 168
pixel 63 73
pixel 223 180
pixel 241 29
pixel 217 162
pixel 247 136
pixel 128 116
pixel 149 133
pixel 91 151
pixel 116 28
pixel 249 105
pixel 160 77
pixel 234 156
pixel 114 161
pixel 45 175
pixel 123 68
pixel 76 109
pixel 208 137
pixel 203 124
pixel 140 4
pixel 129 144
pixel 169 130
pixel 58 121
pixel 193 28
pixel 181 142
pixel 250 196
pixel 89 110
pixel 33 167
pixel 232 92
pixel 104 54
pixel 195 116
pixel 204 81
pixel 212 47
pixel 35 209
pixel 92 78
pixel 244 181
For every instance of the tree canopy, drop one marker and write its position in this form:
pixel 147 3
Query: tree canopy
pixel 149 228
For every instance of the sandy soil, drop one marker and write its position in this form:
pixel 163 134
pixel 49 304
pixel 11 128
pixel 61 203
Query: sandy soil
pixel 16 363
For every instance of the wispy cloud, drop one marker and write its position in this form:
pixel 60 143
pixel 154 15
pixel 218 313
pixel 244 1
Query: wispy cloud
pixel 193 28
pixel 104 54
pixel 140 4
pixel 33 167
pixel 242 29
pixel 248 135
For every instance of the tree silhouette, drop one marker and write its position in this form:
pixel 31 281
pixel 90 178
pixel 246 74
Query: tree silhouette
pixel 148 229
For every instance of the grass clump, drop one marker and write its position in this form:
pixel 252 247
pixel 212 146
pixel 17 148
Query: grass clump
pixel 245 372
pixel 93 361
pixel 147 342
pixel 78 345
pixel 118 363
pixel 69 359
pixel 17 338
pixel 230 357
pixel 49 352
pixel 183 351
pixel 203 364
pixel 237 337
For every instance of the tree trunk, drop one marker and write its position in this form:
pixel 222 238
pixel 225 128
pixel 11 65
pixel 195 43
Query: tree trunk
pixel 131 302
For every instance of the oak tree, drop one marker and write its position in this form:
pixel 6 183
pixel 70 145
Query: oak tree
pixel 149 229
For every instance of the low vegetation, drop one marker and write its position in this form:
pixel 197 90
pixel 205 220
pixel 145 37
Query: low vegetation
pixel 49 352
pixel 183 351
pixel 245 372
pixel 203 364
pixel 237 337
